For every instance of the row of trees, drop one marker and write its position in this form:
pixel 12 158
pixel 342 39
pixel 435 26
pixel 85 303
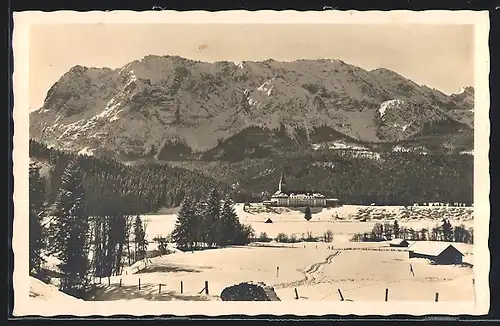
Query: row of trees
pixel 92 238
pixel 443 232
pixel 210 222
pixel 305 237
pixel 84 244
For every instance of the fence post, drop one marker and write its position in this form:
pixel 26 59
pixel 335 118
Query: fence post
pixel 100 279
pixel 120 282
pixel 159 288
pixel 436 297
pixel 139 283
pixel 341 296
pixel 109 281
pixel 182 287
pixel 296 294
pixel 386 294
pixel 206 287
pixel 277 271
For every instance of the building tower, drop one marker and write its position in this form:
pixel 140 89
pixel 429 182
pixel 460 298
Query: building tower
pixel 282 184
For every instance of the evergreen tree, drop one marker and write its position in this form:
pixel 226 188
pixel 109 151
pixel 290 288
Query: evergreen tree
pixel 36 231
pixel 185 231
pixel 70 232
pixel 211 217
pixel 447 230
pixel 308 214
pixel 228 224
pixel 117 240
pixel 139 239
pixel 395 229
pixel 244 234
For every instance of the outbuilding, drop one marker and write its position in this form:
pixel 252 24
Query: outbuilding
pixel 268 221
pixel 398 243
pixel 438 252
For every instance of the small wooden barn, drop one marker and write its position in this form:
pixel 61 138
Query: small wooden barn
pixel 442 253
pixel 399 243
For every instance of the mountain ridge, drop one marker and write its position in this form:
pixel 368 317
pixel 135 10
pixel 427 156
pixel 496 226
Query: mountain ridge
pixel 160 105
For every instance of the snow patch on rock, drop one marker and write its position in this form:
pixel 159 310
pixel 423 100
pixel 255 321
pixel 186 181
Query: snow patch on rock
pixel 86 151
pixel 267 87
pixel 400 149
pixel 387 104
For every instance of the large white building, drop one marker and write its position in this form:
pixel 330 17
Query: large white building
pixel 294 198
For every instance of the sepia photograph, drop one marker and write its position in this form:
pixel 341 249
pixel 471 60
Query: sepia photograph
pixel 177 163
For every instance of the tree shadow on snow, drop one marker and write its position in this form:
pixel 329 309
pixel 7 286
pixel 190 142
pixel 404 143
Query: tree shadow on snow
pixel 166 269
pixel 147 292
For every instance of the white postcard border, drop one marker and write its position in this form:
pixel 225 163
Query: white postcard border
pixel 21 37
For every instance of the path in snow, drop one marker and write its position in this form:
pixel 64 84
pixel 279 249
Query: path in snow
pixel 309 274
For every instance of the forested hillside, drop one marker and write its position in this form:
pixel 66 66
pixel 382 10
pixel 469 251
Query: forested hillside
pixel 386 178
pixel 389 178
pixel 134 189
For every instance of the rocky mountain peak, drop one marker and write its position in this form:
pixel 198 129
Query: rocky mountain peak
pixel 160 104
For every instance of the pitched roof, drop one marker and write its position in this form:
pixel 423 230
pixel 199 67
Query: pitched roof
pixel 431 248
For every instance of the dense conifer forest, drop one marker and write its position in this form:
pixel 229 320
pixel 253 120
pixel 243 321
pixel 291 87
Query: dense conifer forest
pixel 391 179
pixel 132 189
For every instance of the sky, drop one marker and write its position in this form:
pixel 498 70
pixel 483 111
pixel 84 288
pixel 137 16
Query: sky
pixel 439 56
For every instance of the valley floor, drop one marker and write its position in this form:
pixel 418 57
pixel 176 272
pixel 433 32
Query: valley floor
pixel 316 270
pixel 362 271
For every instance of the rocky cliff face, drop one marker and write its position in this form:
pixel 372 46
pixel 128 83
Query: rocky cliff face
pixel 171 107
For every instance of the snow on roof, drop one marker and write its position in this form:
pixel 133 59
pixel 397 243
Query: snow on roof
pixel 279 195
pixel 431 248
pixel 398 241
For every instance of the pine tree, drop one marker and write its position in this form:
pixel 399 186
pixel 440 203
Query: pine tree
pixel 185 232
pixel 139 239
pixel 120 230
pixel 244 234
pixel 70 232
pixel 447 230
pixel 395 229
pixel 36 231
pixel 211 217
pixel 308 214
pixel 227 225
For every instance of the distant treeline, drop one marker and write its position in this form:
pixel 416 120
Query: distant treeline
pixel 135 189
pixel 443 232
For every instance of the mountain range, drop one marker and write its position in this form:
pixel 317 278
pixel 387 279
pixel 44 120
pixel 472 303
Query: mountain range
pixel 168 108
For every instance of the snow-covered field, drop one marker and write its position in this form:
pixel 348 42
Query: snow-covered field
pixel 46 292
pixel 343 221
pixel 316 270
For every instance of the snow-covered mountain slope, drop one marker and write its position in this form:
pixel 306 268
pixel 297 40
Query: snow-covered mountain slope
pixel 170 106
